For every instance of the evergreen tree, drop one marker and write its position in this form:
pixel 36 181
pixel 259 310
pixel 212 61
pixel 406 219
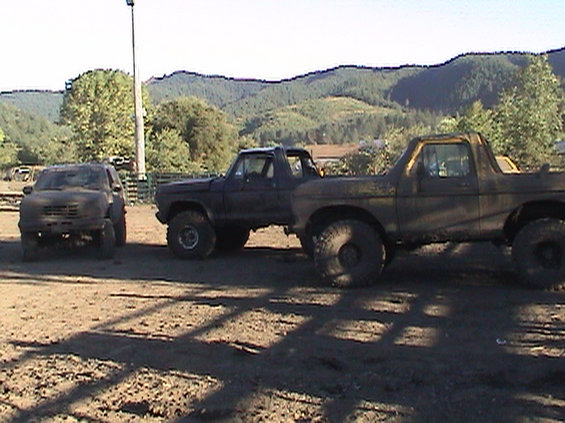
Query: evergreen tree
pixel 528 118
pixel 477 118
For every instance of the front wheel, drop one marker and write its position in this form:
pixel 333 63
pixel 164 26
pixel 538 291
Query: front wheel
pixel 30 246
pixel 120 229
pixel 349 253
pixel 190 235
pixel 106 241
pixel 538 253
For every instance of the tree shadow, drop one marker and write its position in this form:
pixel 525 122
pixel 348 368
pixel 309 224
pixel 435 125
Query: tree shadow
pixel 442 337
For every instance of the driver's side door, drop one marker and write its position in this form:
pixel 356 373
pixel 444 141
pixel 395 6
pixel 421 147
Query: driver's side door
pixel 437 197
pixel 250 193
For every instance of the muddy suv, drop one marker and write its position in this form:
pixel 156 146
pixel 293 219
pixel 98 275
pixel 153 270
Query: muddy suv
pixel 79 202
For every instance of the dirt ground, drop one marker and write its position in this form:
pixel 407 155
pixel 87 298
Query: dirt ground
pixel 447 335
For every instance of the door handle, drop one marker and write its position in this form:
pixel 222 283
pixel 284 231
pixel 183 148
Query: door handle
pixel 463 184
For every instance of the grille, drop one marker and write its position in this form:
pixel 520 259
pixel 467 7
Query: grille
pixel 68 211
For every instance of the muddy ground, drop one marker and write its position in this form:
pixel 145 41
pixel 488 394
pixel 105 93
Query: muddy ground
pixel 447 335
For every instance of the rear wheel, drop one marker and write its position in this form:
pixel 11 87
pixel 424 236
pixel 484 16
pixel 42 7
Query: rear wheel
pixel 538 253
pixel 190 235
pixel 349 253
pixel 30 246
pixel 232 238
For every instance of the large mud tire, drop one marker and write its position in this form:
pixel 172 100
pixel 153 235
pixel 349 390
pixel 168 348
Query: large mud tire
pixel 349 253
pixel 120 229
pixel 538 253
pixel 190 235
pixel 106 241
pixel 30 246
pixel 308 244
pixel 232 238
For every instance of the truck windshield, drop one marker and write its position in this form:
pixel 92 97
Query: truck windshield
pixel 72 177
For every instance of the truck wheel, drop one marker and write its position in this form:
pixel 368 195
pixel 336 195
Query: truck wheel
pixel 30 246
pixel 190 235
pixel 232 238
pixel 390 253
pixel 538 253
pixel 349 253
pixel 106 241
pixel 307 243
pixel 120 229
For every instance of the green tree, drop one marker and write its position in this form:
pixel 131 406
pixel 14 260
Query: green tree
pixel 528 117
pixel 98 107
pixel 168 152
pixel 8 151
pixel 477 118
pixel 59 149
pixel 212 141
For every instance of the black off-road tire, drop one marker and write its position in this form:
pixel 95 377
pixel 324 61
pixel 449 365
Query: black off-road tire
pixel 30 246
pixel 308 245
pixel 231 238
pixel 538 253
pixel 120 230
pixel 390 254
pixel 349 253
pixel 106 241
pixel 190 235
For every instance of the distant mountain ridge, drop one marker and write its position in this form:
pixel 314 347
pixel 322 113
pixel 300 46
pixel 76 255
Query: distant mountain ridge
pixel 445 88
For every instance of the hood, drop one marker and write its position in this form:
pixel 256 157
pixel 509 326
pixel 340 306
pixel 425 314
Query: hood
pixel 64 196
pixel 187 185
pixel 346 187
pixel 87 203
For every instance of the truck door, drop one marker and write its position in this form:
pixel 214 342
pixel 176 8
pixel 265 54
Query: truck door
pixel 250 194
pixel 438 194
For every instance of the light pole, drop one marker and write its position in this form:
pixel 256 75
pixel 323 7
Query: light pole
pixel 138 107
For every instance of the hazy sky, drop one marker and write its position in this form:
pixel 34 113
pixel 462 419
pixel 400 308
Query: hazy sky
pixel 46 42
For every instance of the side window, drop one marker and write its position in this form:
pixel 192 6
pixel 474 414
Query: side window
pixel 255 167
pixel 302 166
pixel 445 160
pixel 296 166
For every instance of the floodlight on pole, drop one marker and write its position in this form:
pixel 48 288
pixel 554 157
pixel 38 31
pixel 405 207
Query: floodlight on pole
pixel 138 106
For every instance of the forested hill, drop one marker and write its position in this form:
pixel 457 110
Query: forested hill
pixel 43 103
pixel 448 87
pixel 445 88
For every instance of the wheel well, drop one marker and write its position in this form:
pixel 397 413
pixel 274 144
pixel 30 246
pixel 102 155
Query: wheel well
pixel 324 217
pixel 182 206
pixel 529 212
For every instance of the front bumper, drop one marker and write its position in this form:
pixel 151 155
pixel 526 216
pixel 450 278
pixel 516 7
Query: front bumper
pixel 62 226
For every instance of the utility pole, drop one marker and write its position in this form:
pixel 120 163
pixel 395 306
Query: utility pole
pixel 138 107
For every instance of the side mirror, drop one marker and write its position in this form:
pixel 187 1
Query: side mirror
pixel 117 189
pixel 28 189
